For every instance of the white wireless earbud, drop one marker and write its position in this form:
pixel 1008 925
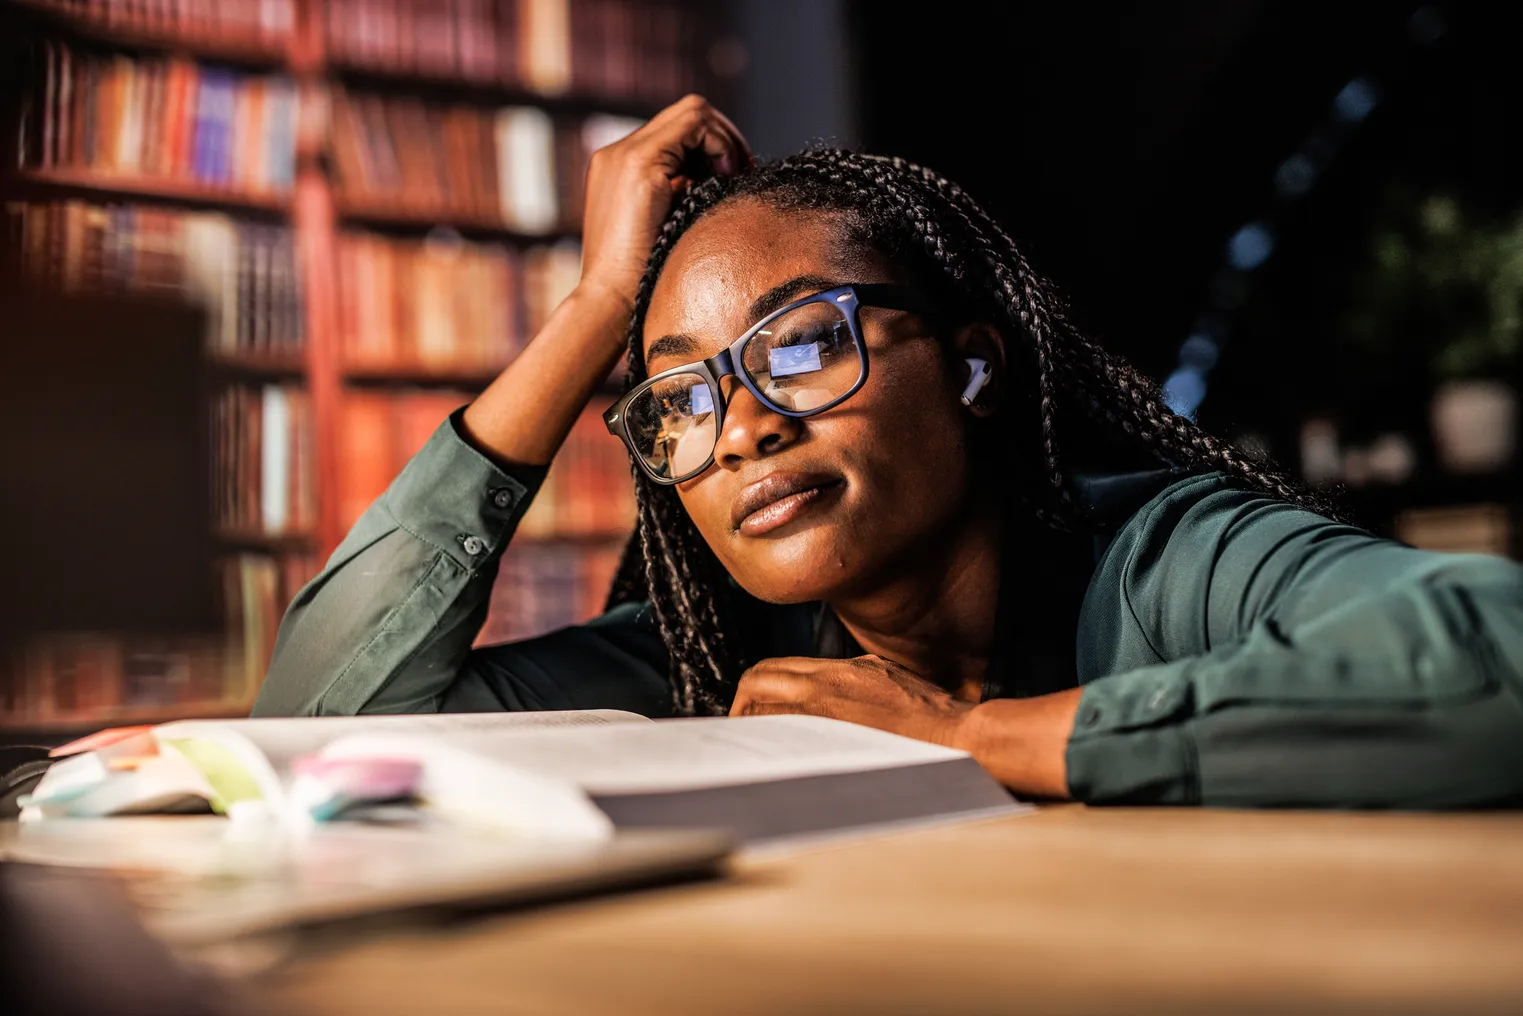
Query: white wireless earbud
pixel 979 373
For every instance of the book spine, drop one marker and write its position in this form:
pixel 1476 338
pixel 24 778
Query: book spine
pixel 129 138
pixel 81 87
pixel 366 439
pixel 63 113
pixel 275 494
pixel 49 106
pixel 280 125
pixel 240 338
pixel 545 45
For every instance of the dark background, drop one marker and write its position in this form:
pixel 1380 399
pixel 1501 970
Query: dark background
pixel 1125 145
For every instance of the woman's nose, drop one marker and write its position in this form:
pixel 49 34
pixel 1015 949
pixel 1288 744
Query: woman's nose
pixel 751 430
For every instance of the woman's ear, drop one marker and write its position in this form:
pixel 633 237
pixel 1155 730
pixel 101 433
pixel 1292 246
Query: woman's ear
pixel 975 341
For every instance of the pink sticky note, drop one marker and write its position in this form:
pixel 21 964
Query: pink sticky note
pixel 96 741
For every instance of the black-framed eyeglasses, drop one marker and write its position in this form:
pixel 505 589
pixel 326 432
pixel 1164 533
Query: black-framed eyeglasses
pixel 798 361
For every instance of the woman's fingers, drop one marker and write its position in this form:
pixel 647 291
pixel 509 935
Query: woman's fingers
pixel 631 185
pixel 688 127
pixel 748 158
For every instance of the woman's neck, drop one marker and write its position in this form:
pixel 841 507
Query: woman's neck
pixel 937 616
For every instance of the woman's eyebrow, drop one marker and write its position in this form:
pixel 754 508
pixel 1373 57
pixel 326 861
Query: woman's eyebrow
pixel 681 344
pixel 786 292
pixel 673 345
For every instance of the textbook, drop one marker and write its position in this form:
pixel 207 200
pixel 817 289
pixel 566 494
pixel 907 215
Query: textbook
pixel 579 775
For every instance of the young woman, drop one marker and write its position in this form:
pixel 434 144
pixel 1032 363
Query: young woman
pixel 882 478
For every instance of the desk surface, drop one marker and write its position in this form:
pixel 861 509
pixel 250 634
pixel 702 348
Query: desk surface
pixel 1069 910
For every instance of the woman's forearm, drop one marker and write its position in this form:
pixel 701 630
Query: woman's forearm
pixel 1023 742
pixel 525 415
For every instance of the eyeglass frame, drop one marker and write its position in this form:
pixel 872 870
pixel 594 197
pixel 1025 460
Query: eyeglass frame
pixel 850 298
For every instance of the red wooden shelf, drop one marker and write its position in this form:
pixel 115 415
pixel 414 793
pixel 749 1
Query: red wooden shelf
pixel 253 539
pixel 258 364
pixel 88 182
pixel 473 378
pixel 123 716
pixel 417 374
pixel 603 539
pixel 189 39
pixel 508 93
pixel 384 210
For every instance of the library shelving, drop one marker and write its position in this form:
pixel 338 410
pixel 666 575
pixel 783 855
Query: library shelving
pixel 203 29
pixel 70 182
pixel 377 202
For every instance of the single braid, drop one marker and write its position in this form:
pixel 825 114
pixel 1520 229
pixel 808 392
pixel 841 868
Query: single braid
pixel 1058 378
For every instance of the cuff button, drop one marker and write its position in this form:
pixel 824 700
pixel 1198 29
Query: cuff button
pixel 502 497
pixel 1089 716
pixel 472 545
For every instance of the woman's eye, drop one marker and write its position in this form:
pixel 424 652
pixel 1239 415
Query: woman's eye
pixel 823 336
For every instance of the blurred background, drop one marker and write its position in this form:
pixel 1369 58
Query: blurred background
pixel 1304 220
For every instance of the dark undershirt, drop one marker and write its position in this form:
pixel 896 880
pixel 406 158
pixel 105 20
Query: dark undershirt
pixel 1043 578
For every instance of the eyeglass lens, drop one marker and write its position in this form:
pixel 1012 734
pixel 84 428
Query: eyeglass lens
pixel 801 360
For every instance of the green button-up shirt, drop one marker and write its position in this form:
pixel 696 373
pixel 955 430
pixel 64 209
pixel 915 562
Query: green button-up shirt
pixel 1233 649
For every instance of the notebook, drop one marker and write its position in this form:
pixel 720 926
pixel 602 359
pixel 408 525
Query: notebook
pixel 575 775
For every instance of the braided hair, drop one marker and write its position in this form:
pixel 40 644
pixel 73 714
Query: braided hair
pixel 1077 398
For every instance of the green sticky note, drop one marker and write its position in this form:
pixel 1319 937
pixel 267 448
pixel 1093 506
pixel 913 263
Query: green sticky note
pixel 230 781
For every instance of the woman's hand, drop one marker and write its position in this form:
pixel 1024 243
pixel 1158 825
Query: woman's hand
pixel 632 182
pixel 868 690
pixel 527 412
pixel 1021 742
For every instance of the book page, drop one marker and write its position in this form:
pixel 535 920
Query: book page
pixel 281 740
pixel 680 754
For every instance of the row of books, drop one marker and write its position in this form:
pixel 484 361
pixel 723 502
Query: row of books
pixel 256 589
pixel 101 677
pixel 515 166
pixel 587 493
pixel 439 303
pixel 161 118
pixel 262 460
pixel 541 587
pixel 550 274
pixel 629 50
pixel 625 50
pixel 445 304
pixel 244 274
pixel 269 21
pixel 378 432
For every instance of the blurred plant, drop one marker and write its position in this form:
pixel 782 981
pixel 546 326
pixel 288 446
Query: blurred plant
pixel 1440 288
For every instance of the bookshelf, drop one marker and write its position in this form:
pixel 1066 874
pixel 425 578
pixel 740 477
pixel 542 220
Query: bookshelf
pixel 385 215
pixel 69 182
pixel 197 32
pixel 378 203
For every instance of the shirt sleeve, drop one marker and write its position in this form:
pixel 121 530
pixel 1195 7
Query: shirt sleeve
pixel 1240 651
pixel 387 626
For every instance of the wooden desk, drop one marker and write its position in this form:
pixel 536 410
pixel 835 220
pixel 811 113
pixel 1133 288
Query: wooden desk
pixel 1070 910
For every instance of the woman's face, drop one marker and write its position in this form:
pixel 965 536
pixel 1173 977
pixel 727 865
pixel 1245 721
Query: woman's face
pixel 827 507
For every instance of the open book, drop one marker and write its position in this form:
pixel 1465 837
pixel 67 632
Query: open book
pixel 579 775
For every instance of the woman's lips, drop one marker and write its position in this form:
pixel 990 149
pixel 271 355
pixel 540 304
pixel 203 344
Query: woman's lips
pixel 778 499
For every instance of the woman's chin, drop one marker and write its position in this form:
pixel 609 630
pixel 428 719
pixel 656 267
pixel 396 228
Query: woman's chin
pixel 802 567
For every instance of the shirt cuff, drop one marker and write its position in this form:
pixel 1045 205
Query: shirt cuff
pixel 1130 743
pixel 456 499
